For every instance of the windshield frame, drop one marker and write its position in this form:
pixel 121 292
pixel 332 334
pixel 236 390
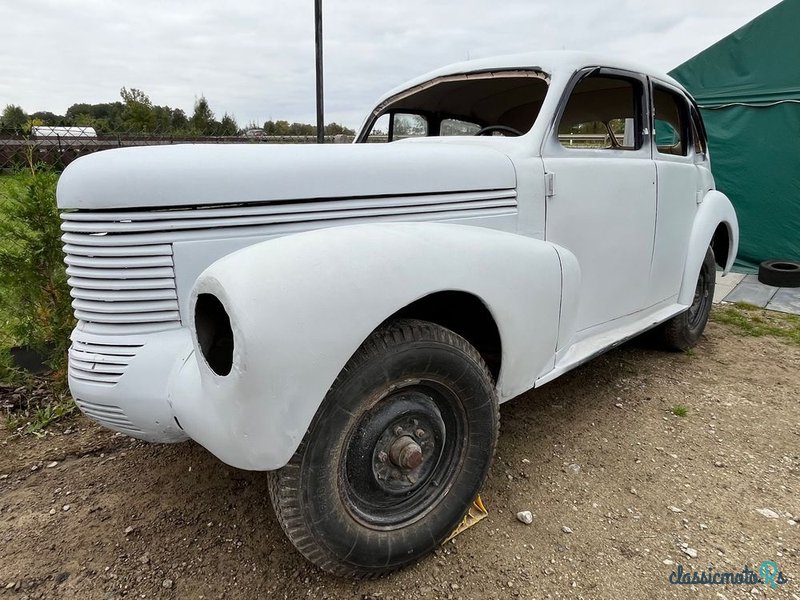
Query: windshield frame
pixel 384 107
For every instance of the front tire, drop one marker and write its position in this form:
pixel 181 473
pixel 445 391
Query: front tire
pixel 684 330
pixel 396 454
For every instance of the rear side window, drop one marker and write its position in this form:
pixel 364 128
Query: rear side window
pixel 602 113
pixel 698 133
pixel 671 122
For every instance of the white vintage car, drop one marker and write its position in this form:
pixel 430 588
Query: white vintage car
pixel 349 317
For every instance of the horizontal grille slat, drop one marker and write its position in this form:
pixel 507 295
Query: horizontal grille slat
pixel 150 317
pixel 125 307
pixel 121 284
pixel 119 361
pixel 116 251
pixel 122 262
pixel 114 353
pixel 124 295
pixel 283 208
pixel 96 367
pixel 92 376
pixel 124 273
pixel 236 220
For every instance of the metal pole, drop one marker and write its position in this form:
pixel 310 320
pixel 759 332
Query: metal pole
pixel 318 44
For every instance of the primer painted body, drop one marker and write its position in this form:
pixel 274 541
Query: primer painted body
pixel 310 248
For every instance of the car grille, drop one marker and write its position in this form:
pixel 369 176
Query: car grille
pixel 130 289
pixel 108 415
pixel 99 363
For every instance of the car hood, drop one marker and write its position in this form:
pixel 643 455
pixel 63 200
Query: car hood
pixel 203 174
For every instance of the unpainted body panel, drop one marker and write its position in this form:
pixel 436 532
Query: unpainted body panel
pixel 301 305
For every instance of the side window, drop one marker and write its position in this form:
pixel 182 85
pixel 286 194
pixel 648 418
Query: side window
pixel 603 112
pixel 408 125
pixel 698 133
pixel 458 127
pixel 671 122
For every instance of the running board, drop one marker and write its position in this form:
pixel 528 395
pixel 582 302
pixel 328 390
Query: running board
pixel 599 343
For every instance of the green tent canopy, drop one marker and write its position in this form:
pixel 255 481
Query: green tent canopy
pixel 748 89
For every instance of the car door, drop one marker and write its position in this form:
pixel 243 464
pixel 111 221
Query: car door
pixel 601 202
pixel 680 188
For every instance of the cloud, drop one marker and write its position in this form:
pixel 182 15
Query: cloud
pixel 255 58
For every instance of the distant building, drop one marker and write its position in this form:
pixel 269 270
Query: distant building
pixel 70 132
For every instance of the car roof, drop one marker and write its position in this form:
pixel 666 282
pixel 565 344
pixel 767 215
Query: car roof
pixel 546 61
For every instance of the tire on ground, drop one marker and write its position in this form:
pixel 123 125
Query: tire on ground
pixel 682 331
pixel 396 454
pixel 779 273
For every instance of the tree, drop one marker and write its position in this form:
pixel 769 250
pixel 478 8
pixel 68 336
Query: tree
pixel 48 118
pixel 336 129
pixel 276 127
pixel 179 120
pixel 228 126
pixel 138 115
pixel 202 120
pixel 13 118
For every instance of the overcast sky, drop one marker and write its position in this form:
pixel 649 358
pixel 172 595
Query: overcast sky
pixel 255 58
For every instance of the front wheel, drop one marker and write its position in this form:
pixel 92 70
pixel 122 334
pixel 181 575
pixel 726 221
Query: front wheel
pixel 682 331
pixel 396 454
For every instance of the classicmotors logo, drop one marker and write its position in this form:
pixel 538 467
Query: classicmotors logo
pixel 768 573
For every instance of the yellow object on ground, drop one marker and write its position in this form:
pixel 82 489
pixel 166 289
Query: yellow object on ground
pixel 477 512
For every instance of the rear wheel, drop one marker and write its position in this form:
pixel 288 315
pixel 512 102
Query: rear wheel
pixel 682 331
pixel 396 454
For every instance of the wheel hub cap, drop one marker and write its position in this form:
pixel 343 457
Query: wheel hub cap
pixel 402 455
pixel 406 453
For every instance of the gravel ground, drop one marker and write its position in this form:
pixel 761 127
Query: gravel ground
pixel 622 491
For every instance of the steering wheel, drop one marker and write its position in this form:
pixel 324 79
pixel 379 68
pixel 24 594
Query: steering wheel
pixel 504 129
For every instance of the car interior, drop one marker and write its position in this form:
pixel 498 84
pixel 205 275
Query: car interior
pixel 484 103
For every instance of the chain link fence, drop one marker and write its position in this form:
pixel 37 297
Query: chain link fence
pixel 56 147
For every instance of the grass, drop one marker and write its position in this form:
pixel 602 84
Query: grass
pixel 748 319
pixel 679 410
pixel 36 419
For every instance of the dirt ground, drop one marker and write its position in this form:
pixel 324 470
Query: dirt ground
pixel 622 491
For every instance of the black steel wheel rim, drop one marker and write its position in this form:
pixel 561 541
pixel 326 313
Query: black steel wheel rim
pixel 402 455
pixel 702 297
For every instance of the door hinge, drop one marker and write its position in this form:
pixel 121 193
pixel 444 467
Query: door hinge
pixel 549 185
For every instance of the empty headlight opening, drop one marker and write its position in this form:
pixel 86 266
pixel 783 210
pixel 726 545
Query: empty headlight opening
pixel 214 334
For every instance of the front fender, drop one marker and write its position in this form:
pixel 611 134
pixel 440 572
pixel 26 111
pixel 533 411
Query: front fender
pixel 715 209
pixel 301 305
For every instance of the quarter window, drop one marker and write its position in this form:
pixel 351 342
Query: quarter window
pixel 458 127
pixel 671 122
pixel 697 134
pixel 602 112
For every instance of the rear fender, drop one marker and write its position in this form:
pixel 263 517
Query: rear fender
pixel 715 209
pixel 301 305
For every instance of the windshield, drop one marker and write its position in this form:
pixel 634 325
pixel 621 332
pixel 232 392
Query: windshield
pixel 486 103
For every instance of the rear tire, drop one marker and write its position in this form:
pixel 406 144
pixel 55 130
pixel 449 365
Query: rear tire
pixel 682 331
pixel 396 454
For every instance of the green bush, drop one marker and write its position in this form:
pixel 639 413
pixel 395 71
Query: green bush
pixel 35 305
